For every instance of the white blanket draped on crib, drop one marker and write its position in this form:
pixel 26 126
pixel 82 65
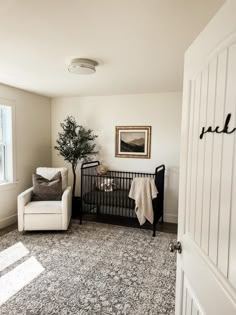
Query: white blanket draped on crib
pixel 143 190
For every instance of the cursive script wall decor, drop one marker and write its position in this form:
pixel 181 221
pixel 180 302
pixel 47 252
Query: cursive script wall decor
pixel 217 129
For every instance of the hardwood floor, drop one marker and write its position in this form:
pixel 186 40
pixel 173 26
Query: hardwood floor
pixel 131 222
pixel 8 229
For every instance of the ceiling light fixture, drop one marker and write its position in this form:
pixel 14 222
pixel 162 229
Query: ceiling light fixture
pixel 82 66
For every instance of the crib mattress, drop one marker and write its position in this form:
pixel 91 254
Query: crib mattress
pixel 116 198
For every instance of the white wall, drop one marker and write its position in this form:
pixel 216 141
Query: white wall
pixel 103 113
pixel 32 146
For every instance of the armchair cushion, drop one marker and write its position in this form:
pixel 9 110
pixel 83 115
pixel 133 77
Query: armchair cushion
pixel 47 189
pixel 43 207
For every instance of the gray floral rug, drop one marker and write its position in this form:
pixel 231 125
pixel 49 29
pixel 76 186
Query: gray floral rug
pixel 95 269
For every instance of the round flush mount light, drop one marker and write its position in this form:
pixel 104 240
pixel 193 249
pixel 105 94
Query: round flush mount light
pixel 82 66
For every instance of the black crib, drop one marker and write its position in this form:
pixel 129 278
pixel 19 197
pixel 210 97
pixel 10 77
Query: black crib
pixel 116 202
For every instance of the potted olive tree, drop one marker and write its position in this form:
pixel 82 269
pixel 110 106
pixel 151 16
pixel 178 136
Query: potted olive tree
pixel 76 145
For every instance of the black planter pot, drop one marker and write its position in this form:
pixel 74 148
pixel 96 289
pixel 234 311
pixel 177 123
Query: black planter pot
pixel 76 207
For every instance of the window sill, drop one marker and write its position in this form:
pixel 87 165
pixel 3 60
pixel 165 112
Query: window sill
pixel 8 186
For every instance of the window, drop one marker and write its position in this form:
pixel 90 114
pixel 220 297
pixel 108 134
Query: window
pixel 6 147
pixel 2 147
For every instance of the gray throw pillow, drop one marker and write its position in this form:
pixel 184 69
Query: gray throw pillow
pixel 45 189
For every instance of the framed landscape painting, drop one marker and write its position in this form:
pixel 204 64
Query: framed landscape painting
pixel 133 142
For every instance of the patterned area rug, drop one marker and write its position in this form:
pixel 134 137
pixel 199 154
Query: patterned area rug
pixel 95 269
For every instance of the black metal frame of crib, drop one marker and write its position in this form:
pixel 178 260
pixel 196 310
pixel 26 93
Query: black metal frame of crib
pixel 117 203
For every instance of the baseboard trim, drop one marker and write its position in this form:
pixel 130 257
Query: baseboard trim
pixel 170 217
pixel 8 221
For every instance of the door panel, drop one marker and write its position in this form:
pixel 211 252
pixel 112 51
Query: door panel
pixel 195 147
pixel 227 166
pixel 190 306
pixel 232 229
pixel 189 155
pixel 208 146
pixel 217 157
pixel 206 268
pixel 201 155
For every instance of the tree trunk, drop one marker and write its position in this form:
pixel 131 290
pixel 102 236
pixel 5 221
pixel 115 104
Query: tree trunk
pixel 74 181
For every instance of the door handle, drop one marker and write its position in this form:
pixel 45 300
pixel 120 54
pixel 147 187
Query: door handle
pixel 175 247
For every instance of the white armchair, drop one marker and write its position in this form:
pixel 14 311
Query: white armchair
pixel 45 215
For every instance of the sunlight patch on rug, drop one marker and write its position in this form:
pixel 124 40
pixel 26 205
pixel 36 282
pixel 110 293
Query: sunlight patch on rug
pixel 12 254
pixel 20 276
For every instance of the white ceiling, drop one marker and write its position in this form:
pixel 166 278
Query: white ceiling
pixel 139 44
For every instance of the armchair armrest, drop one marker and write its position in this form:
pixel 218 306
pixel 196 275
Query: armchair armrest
pixel 22 201
pixel 66 207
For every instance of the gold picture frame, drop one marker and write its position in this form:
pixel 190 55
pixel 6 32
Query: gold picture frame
pixel 133 142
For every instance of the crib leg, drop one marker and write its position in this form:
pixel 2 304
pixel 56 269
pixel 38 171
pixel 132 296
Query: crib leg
pixel 154 230
pixel 80 214
pixel 98 209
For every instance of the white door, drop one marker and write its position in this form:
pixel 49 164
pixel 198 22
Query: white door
pixel 206 268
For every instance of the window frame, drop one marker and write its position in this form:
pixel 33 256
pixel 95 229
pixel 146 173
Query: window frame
pixel 2 146
pixel 8 142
